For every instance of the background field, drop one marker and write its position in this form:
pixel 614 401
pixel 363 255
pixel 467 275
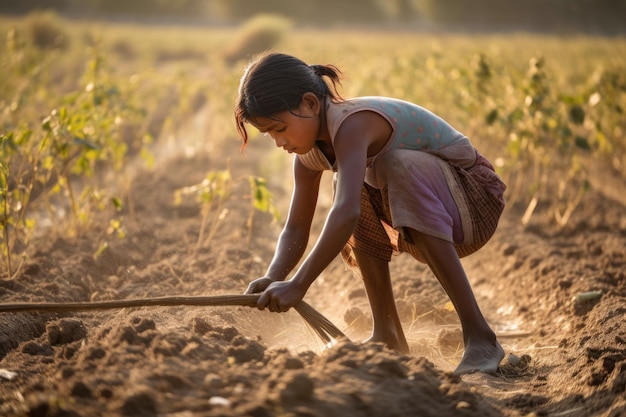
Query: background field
pixel 109 130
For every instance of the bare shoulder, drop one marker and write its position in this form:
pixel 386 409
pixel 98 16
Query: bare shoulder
pixel 365 126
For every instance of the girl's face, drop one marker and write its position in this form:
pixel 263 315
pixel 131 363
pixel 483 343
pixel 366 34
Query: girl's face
pixel 295 131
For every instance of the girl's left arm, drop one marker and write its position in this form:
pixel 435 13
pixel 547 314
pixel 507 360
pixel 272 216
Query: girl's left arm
pixel 351 155
pixel 350 146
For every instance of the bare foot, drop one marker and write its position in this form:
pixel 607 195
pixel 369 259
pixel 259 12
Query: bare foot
pixel 392 341
pixel 480 357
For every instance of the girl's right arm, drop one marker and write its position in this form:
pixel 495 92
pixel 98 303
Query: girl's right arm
pixel 294 237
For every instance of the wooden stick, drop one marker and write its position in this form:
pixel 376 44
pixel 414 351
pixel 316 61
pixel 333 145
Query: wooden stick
pixel 218 300
pixel 326 330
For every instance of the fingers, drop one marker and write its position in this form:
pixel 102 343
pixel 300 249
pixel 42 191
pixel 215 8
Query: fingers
pixel 277 308
pixel 271 303
pixel 263 301
pixel 258 285
pixel 253 288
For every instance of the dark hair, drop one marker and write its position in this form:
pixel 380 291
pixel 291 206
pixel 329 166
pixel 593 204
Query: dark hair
pixel 275 83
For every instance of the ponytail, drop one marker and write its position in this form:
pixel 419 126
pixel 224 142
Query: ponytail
pixel 333 74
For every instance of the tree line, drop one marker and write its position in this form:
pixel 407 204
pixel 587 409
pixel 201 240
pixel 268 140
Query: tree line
pixel 599 16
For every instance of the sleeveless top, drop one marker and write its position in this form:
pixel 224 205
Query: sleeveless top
pixel 413 128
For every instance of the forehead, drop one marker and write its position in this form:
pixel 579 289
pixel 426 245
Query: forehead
pixel 268 123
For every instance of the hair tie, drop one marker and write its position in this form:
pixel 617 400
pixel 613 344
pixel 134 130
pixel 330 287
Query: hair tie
pixel 317 69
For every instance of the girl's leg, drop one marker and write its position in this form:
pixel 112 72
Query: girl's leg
pixel 482 351
pixel 377 280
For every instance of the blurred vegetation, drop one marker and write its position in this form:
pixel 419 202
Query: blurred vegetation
pixel 88 102
pixel 599 16
pixel 261 33
pixel 562 16
pixel 73 117
pixel 45 30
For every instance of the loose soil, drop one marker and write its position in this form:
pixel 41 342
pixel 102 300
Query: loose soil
pixel 556 298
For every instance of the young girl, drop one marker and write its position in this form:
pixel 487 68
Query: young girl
pixel 405 180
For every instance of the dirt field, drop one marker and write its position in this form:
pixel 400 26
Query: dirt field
pixel 555 297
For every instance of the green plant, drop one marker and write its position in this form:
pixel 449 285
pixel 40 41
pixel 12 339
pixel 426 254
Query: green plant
pixel 82 136
pixel 262 201
pixel 213 192
pixel 551 137
pixel 210 193
pixel 16 186
pixel 57 162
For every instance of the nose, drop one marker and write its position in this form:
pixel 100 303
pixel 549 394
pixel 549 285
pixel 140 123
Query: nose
pixel 280 142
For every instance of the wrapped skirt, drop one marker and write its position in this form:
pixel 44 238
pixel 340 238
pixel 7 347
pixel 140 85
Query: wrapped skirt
pixel 424 192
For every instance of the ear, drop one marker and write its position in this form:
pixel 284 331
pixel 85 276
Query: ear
pixel 310 103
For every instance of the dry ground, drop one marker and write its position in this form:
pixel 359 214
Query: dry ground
pixel 564 357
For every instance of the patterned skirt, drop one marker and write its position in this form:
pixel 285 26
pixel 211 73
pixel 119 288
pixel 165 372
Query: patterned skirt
pixel 423 192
